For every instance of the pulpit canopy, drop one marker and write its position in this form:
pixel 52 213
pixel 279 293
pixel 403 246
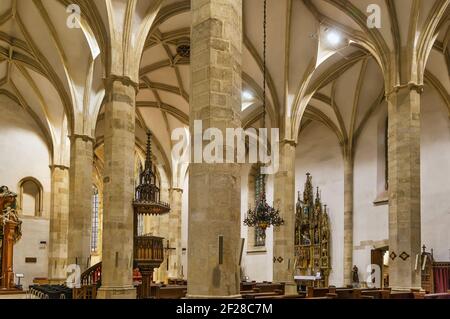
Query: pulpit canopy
pixel 147 196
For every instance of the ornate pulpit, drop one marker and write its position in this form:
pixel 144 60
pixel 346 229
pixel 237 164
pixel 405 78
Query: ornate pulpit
pixel 312 236
pixel 148 250
pixel 10 233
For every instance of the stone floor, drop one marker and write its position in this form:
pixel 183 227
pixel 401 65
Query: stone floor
pixel 15 296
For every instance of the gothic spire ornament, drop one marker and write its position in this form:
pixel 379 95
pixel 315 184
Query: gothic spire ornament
pixel 148 198
pixel 263 216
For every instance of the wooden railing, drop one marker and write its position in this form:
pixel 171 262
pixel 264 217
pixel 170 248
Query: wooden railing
pixel 92 275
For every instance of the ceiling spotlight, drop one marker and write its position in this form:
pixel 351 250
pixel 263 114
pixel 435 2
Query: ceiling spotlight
pixel 246 95
pixel 333 38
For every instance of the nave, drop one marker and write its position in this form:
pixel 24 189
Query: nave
pixel 118 185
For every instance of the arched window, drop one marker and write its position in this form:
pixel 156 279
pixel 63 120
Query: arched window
pixel 30 197
pixel 95 219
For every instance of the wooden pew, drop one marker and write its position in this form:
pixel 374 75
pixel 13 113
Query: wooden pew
pixel 376 294
pixel 438 296
pixel 261 295
pixel 168 292
pixel 319 292
pixel 269 287
pixel 248 286
pixel 177 282
pixel 401 295
pixel 265 287
pixel 297 296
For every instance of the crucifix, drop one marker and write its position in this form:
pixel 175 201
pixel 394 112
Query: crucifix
pixel 168 249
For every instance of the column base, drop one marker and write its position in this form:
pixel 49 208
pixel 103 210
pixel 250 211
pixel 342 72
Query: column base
pixel 116 293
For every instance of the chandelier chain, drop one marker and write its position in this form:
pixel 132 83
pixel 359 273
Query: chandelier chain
pixel 264 62
pixel 263 186
pixel 263 215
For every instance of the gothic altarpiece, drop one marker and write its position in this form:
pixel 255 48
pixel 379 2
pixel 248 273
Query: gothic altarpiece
pixel 312 236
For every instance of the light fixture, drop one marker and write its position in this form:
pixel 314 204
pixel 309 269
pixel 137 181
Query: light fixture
pixel 333 38
pixel 247 95
pixel 263 216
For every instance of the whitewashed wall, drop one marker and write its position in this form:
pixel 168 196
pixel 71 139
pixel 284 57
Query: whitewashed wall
pixel 256 265
pixel 318 153
pixel 371 221
pixel 25 154
pixel 435 173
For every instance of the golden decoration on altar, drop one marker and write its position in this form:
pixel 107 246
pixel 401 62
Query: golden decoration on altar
pixel 312 235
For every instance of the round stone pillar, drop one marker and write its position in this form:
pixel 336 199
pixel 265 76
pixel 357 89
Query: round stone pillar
pixel 80 200
pixel 215 189
pixel 118 194
pixel 59 223
pixel 284 199
pixel 404 187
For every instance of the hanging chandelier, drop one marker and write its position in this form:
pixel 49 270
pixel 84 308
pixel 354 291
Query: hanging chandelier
pixel 263 216
pixel 147 198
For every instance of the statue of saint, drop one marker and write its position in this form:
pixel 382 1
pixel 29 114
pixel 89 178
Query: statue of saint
pixel 316 235
pixel 305 238
pixel 355 276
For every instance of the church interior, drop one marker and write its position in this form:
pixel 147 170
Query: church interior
pixel 354 99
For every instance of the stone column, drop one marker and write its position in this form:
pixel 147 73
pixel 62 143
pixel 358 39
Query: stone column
pixel 404 187
pixel 59 223
pixel 162 230
pixel 348 217
pixel 284 200
pixel 80 200
pixel 175 233
pixel 118 193
pixel 215 189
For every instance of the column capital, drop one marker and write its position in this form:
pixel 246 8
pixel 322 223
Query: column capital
pixel 409 86
pixel 85 138
pixel 177 189
pixel 61 167
pixel 125 80
pixel 288 142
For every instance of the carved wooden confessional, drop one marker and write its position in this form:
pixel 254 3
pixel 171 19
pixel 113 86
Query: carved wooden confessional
pixel 312 236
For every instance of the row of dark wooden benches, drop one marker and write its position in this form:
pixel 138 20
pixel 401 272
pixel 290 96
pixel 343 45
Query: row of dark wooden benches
pixel 177 291
pixel 374 293
pixel 50 292
pixel 343 293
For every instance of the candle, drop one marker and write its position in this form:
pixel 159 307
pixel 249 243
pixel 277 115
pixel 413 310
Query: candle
pixel 424 262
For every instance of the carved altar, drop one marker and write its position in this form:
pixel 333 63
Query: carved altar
pixel 312 236
pixel 10 233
